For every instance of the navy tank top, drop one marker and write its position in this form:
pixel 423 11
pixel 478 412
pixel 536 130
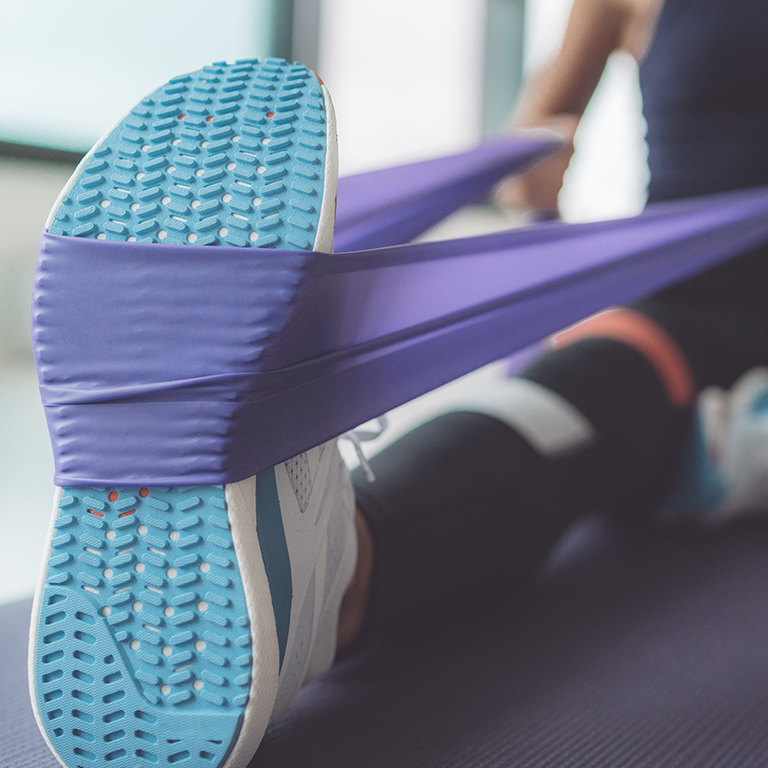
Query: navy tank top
pixel 705 97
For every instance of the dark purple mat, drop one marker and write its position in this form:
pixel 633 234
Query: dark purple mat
pixel 633 650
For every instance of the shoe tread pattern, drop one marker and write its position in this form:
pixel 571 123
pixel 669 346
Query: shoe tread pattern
pixel 233 154
pixel 143 645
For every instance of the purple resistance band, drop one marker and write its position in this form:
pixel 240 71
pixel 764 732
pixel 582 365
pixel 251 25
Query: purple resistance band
pixel 395 205
pixel 175 365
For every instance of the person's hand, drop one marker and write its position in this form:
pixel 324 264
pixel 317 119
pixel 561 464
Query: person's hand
pixel 535 193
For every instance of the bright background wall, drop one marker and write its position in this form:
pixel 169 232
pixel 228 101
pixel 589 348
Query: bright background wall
pixel 406 78
pixel 72 68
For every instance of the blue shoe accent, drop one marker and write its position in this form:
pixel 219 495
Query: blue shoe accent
pixel 233 154
pixel 760 405
pixel 274 550
pixel 143 642
pixel 699 488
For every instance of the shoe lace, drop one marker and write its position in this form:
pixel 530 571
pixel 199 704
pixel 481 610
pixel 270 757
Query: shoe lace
pixel 364 434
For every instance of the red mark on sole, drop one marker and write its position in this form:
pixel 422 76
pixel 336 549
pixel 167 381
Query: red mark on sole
pixel 113 496
pixel 144 492
pixel 270 114
pixel 94 512
pixel 125 514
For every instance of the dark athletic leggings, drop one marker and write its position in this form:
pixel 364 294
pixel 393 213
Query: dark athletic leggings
pixel 464 506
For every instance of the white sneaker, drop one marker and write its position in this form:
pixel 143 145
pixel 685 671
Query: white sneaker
pixel 171 625
pixel 725 471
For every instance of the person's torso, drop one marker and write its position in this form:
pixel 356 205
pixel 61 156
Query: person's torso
pixel 705 97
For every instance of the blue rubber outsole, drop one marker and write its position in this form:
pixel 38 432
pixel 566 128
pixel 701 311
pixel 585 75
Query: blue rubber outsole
pixel 143 651
pixel 142 648
pixel 228 155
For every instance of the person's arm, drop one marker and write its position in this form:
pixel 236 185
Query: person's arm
pixel 558 96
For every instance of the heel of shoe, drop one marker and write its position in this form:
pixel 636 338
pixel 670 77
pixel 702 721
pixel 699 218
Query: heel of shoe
pixel 142 645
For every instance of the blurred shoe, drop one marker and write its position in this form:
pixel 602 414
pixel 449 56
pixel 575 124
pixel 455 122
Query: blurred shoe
pixel 171 625
pixel 725 466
